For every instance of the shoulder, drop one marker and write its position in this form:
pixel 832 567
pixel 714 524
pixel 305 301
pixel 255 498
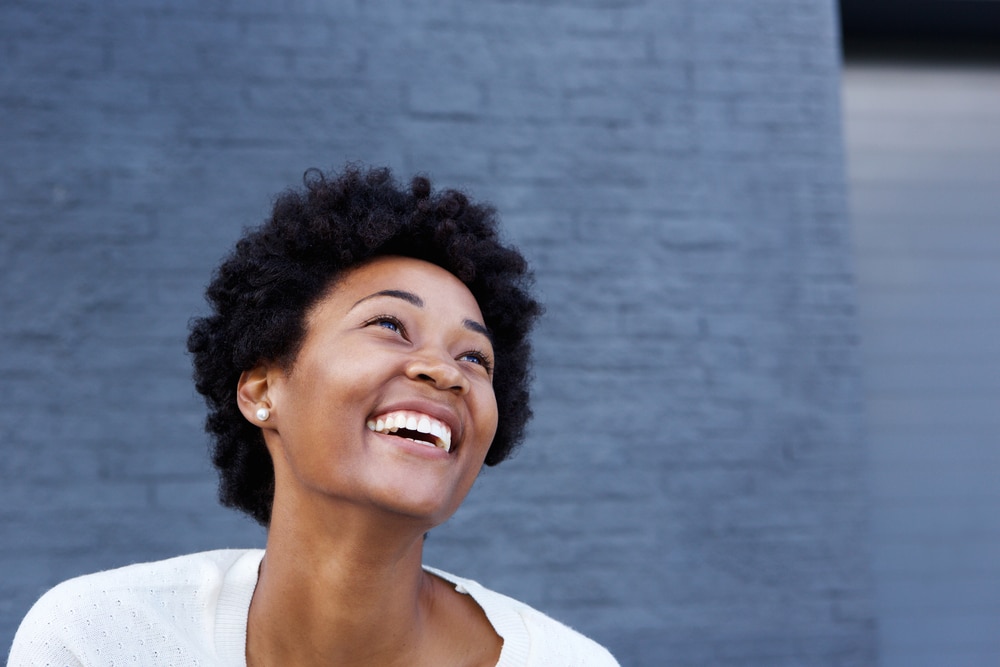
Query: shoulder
pixel 180 577
pixel 129 604
pixel 530 636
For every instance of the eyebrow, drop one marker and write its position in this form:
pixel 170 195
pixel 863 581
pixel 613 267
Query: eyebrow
pixel 410 297
pixel 473 325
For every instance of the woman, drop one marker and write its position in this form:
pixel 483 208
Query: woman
pixel 366 353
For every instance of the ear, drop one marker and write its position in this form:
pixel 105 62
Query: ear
pixel 252 393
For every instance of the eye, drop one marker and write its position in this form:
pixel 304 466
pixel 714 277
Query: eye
pixel 389 322
pixel 477 357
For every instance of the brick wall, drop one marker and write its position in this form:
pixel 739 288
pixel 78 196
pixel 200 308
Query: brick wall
pixel 692 489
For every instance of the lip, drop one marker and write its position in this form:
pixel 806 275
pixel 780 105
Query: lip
pixel 442 413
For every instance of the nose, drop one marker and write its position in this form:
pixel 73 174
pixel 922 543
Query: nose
pixel 438 369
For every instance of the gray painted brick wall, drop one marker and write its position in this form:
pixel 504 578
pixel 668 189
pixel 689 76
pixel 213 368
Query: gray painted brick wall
pixel 692 490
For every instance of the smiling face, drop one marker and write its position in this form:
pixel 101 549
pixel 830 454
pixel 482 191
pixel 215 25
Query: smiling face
pixel 389 403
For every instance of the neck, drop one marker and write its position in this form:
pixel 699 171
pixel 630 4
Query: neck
pixel 352 593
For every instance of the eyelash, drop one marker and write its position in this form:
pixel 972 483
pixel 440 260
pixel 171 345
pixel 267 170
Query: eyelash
pixel 482 358
pixel 383 319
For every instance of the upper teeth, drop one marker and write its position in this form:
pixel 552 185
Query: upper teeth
pixel 391 422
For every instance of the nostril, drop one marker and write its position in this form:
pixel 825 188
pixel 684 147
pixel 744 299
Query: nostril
pixel 439 375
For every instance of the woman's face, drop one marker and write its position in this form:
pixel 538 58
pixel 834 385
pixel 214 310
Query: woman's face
pixel 389 404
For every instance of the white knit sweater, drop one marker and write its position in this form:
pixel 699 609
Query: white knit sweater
pixel 192 610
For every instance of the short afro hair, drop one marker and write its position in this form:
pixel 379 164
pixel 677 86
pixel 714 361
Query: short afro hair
pixel 261 293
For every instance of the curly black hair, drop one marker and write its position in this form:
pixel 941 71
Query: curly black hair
pixel 263 290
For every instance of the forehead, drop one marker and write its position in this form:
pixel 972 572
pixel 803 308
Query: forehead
pixel 436 287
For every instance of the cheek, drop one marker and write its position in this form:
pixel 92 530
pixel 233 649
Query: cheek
pixel 339 378
pixel 489 416
pixel 320 395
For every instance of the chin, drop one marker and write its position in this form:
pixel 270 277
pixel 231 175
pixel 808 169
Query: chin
pixel 430 510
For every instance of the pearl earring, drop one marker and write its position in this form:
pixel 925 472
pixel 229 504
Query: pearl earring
pixel 263 414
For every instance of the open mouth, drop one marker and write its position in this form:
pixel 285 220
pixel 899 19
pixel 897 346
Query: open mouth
pixel 415 426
